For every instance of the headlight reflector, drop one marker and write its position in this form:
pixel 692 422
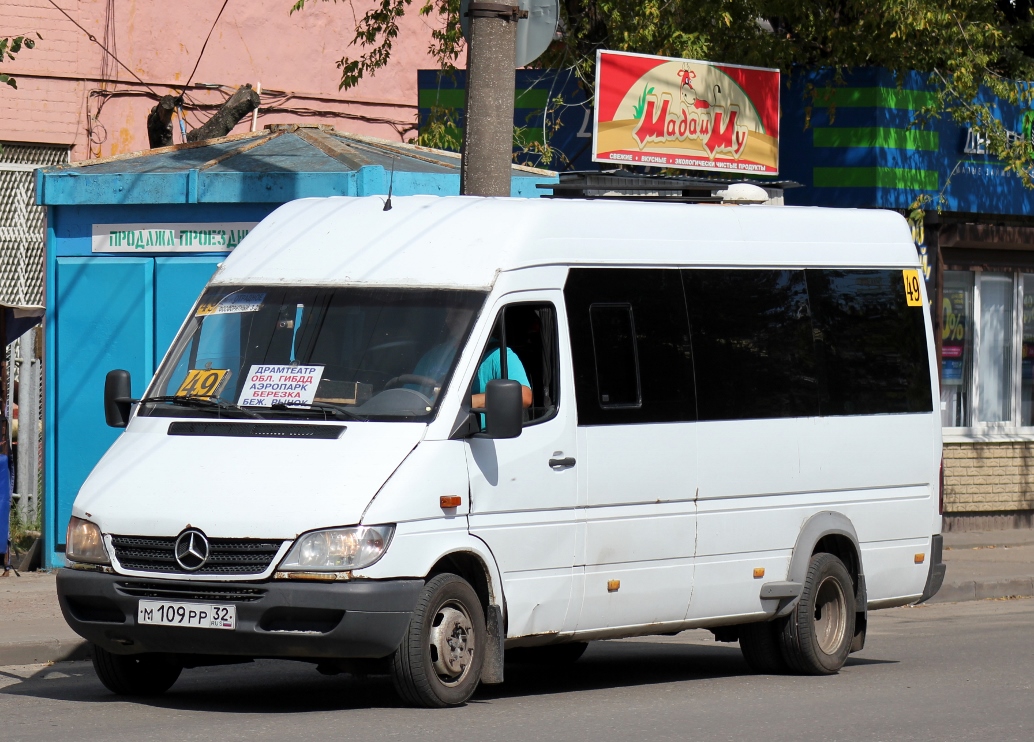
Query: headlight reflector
pixel 84 542
pixel 338 549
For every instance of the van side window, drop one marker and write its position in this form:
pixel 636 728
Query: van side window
pixel 529 332
pixel 752 343
pixel 630 345
pixel 617 363
pixel 870 345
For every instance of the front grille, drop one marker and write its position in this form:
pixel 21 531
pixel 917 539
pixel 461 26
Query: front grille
pixel 188 591
pixel 227 556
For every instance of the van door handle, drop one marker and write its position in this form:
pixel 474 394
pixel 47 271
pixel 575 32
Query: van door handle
pixel 565 463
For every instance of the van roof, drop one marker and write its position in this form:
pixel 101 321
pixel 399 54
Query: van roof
pixel 465 241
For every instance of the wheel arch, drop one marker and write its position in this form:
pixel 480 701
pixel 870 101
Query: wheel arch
pixel 831 532
pixel 471 567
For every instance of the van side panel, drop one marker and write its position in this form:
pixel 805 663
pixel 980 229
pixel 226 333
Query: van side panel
pixel 640 524
pixel 810 391
pixel 765 478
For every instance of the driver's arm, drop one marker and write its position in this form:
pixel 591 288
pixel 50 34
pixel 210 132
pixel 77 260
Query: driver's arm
pixel 478 400
pixel 489 370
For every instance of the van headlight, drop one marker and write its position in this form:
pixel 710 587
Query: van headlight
pixel 338 549
pixel 84 542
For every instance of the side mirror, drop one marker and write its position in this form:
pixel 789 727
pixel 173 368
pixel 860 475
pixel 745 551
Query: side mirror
pixel 117 398
pixel 504 408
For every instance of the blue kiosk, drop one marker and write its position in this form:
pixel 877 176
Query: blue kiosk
pixel 132 239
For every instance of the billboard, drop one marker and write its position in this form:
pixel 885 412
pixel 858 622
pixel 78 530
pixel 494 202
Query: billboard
pixel 683 113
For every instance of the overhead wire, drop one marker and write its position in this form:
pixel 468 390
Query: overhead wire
pixel 205 45
pixel 111 54
pixel 276 105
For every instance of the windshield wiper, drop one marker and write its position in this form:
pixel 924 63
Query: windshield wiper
pixel 199 402
pixel 342 413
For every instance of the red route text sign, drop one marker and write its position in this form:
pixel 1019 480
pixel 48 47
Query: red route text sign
pixel 683 113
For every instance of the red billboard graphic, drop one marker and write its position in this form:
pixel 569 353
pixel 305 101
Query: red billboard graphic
pixel 683 113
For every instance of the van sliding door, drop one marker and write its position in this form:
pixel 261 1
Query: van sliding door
pixel 634 388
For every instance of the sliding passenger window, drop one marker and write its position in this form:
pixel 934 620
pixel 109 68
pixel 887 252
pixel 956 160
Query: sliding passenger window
pixel 630 346
pixel 617 364
pixel 752 344
pixel 871 345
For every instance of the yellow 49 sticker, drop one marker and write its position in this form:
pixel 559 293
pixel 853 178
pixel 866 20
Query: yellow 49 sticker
pixel 204 382
pixel 913 294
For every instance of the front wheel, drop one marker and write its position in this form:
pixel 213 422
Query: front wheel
pixel 439 661
pixel 134 674
pixel 818 633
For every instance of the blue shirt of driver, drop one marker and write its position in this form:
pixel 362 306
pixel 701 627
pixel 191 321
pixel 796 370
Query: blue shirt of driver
pixel 490 369
pixel 436 362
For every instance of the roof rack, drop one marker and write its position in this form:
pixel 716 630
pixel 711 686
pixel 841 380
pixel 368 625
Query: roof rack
pixel 622 185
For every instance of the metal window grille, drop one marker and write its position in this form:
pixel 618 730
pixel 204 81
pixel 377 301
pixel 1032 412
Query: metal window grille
pixel 21 221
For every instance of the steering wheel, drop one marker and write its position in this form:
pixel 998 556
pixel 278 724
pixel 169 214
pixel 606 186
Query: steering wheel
pixel 403 379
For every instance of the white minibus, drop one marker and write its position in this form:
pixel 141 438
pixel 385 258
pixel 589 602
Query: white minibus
pixel 405 440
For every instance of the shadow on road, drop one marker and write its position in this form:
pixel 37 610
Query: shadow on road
pixel 273 686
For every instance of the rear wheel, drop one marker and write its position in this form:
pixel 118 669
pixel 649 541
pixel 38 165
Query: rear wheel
pixel 817 635
pixel 762 646
pixel 134 674
pixel 439 661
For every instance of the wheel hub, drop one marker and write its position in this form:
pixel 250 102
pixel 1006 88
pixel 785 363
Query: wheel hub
pixel 830 615
pixel 452 643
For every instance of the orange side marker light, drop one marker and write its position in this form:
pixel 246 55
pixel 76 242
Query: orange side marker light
pixel 920 558
pixel 759 572
pixel 613 586
pixel 450 501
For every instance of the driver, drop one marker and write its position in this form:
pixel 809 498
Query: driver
pixel 435 363
pixel 490 369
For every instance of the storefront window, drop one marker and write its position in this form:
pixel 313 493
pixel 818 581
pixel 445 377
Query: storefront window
pixel 987 351
pixel 994 349
pixel 1027 354
pixel 956 348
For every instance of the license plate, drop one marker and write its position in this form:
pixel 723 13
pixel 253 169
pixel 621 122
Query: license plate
pixel 194 615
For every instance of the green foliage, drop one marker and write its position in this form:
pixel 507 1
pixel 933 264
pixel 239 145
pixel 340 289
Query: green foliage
pixel 963 45
pixel 24 532
pixel 9 47
pixel 441 130
pixel 377 30
pixel 532 144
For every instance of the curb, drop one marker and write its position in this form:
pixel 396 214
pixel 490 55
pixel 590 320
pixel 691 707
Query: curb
pixel 34 653
pixel 1016 587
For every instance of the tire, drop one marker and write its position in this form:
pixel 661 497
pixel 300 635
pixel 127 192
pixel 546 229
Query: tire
pixel 762 647
pixel 553 655
pixel 817 635
pixel 134 674
pixel 439 661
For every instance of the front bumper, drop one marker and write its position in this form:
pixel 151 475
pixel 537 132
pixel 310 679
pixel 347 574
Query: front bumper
pixel 336 620
pixel 935 577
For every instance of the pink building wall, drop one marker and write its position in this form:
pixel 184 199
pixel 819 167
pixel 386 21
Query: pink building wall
pixel 71 93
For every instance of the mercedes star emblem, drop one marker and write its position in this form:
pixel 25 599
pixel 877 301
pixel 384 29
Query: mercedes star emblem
pixel 191 550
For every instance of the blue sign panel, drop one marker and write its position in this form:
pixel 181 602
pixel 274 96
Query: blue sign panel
pixel 864 144
pixel 550 108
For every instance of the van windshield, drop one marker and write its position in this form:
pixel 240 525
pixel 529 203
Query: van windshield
pixel 309 352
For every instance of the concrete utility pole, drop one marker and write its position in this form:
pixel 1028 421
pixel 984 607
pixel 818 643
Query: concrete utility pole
pixel 28 429
pixel 488 129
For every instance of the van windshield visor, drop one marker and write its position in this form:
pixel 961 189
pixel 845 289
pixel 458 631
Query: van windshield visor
pixel 310 352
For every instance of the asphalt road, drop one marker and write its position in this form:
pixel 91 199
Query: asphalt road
pixel 961 671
